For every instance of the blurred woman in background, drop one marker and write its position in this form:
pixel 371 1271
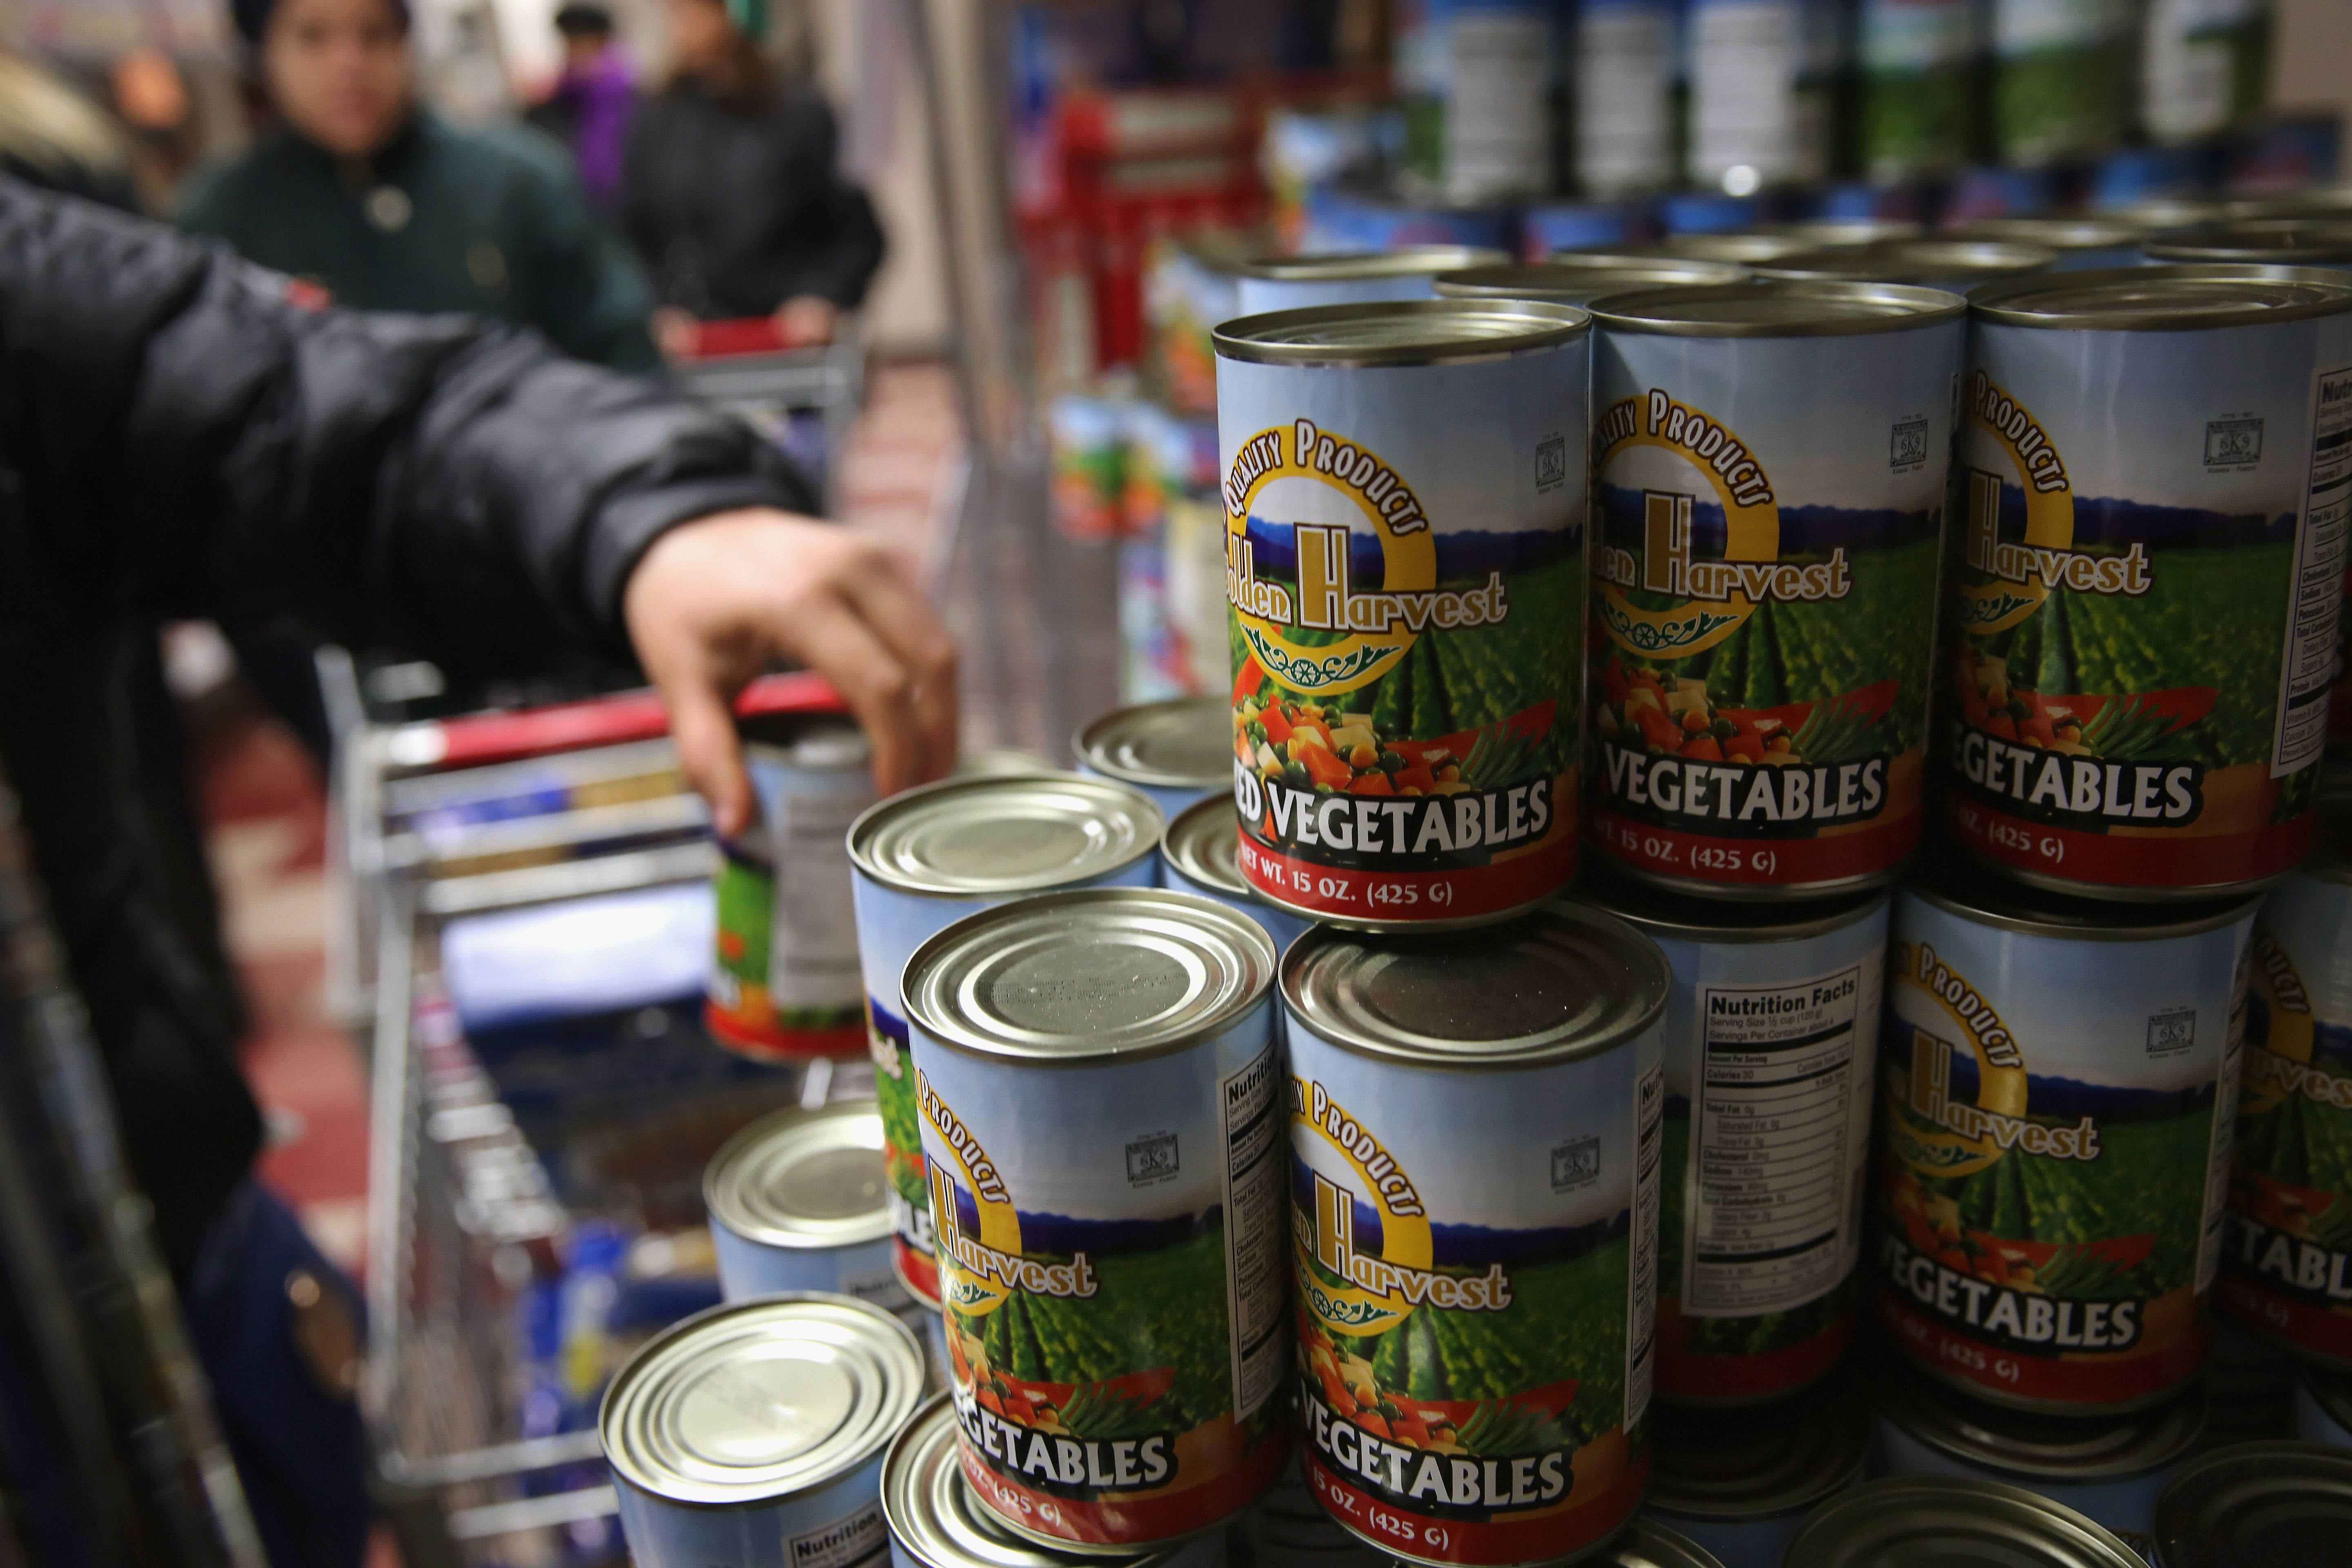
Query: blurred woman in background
pixel 730 189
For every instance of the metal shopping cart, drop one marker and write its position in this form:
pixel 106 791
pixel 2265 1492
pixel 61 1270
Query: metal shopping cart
pixel 802 399
pixel 483 1160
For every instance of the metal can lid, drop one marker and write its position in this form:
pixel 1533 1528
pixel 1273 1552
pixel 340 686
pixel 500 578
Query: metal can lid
pixel 1959 887
pixel 1106 974
pixel 2257 1502
pixel 1951 1519
pixel 1746 249
pixel 2281 241
pixel 1345 266
pixel 2163 298
pixel 1649 1544
pixel 817 742
pixel 1915 261
pixel 1203 846
pixel 2156 214
pixel 1006 833
pixel 2313 201
pixel 759 1401
pixel 1181 744
pixel 2095 233
pixel 1399 332
pixel 2057 1448
pixel 1774 1459
pixel 1809 307
pixel 1854 231
pixel 1572 284
pixel 937 1521
pixel 804 1178
pixel 1565 982
pixel 1657 913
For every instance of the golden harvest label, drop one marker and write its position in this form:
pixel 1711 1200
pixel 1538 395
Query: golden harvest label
pixel 2051 1168
pixel 1762 602
pixel 1404 568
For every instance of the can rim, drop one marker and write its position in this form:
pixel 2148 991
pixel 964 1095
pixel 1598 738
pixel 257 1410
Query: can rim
pixel 725 1203
pixel 1933 885
pixel 2244 1477
pixel 1645 311
pixel 1875 230
pixel 2109 1446
pixel 1837 1405
pixel 1545 325
pixel 1988 303
pixel 1347 266
pixel 1742 247
pixel 986 934
pixel 1547 280
pixel 1653 1543
pixel 898 1370
pixel 2091 232
pixel 1095 742
pixel 777 735
pixel 2239 241
pixel 1646 976
pixel 1624 897
pixel 1180 847
pixel 1911 260
pixel 1854 1515
pixel 874 819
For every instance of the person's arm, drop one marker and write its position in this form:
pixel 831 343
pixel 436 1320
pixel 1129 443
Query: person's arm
pixel 188 440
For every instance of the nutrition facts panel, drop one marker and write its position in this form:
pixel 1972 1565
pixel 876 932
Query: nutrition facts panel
pixel 2318 578
pixel 1773 1142
pixel 1256 1159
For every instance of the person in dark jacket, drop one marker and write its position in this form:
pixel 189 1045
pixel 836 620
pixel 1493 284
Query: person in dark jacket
pixel 388 207
pixel 183 435
pixel 730 189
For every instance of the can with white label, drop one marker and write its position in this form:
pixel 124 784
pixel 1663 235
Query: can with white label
pixel 1762 74
pixel 1352 277
pixel 798 1202
pixel 2286 1270
pixel 1764 585
pixel 927 859
pixel 1201 854
pixel 1177 752
pixel 2204 67
pixel 1478 87
pixel 2108 1467
pixel 1950 1518
pixel 1404 506
pixel 1623 94
pixel 785 984
pixel 1475 1136
pixel 1099 1084
pixel 1770 1038
pixel 1740 1485
pixel 752 1435
pixel 2151 502
pixel 2058 1080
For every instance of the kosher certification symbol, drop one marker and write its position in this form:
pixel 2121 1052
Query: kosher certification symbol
pixel 2228 442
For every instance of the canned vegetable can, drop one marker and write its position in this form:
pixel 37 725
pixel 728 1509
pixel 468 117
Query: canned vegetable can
pixel 1770 1035
pixel 925 859
pixel 1761 75
pixel 1576 280
pixel 1949 1519
pixel 1919 70
pixel 1623 96
pixel 1404 507
pixel 1201 854
pixel 2060 78
pixel 798 1201
pixel 2105 1467
pixel 1474 1313
pixel 2101 242
pixel 2287 1269
pixel 2257 1502
pixel 1740 1486
pixel 1351 277
pixel 1178 751
pixel 2148 457
pixel 2204 67
pixel 752 1435
pixel 2263 241
pixel 1099 1086
pixel 936 1522
pixel 1478 91
pixel 785 984
pixel 1764 586
pixel 2057 1085
pixel 2323 1407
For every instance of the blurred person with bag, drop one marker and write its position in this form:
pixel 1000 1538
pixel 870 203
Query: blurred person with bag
pixel 731 193
pixel 183 435
pixel 589 107
pixel 364 192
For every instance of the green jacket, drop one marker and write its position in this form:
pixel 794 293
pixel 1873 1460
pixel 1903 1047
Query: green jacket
pixel 489 222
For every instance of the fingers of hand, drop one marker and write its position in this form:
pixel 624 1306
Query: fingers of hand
pixel 838 644
pixel 888 602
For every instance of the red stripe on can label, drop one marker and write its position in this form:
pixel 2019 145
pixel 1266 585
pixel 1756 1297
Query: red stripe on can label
pixel 1468 893
pixel 2127 858
pixel 2095 1379
pixel 1734 1378
pixel 1775 862
pixel 1578 1519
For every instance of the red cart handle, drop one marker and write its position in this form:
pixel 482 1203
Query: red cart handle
pixel 437 744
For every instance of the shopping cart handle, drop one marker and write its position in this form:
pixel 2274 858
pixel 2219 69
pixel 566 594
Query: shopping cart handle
pixel 477 739
pixel 744 335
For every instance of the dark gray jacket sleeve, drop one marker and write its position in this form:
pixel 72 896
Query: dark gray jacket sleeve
pixel 188 438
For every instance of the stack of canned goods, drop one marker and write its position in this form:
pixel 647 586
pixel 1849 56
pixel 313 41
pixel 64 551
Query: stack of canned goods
pixel 1376 1185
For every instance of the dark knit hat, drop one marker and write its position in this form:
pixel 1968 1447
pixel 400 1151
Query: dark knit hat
pixel 252 16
